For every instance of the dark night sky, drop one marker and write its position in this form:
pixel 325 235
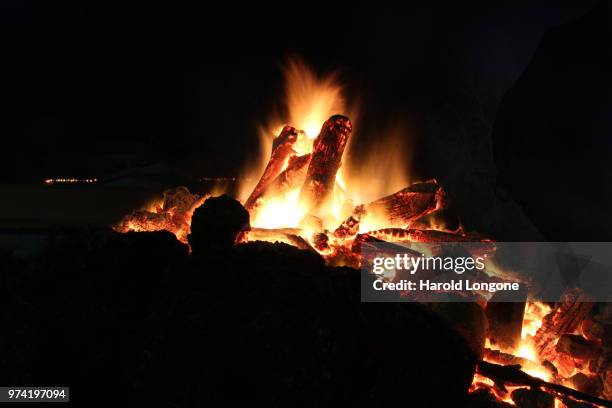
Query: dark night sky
pixel 82 81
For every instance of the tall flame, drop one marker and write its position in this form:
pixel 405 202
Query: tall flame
pixel 311 99
pixel 366 173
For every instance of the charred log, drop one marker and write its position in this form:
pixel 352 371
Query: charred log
pixel 596 331
pixel 328 147
pixel 145 221
pixel 181 200
pixel 602 366
pixel 507 359
pixel 348 229
pixel 282 149
pixel 180 204
pixel 480 247
pixel 577 347
pixel 290 178
pixel 588 384
pixel 321 242
pixel 406 205
pixel 499 357
pixel 566 317
pixel 504 376
pixel 174 214
pixel 528 398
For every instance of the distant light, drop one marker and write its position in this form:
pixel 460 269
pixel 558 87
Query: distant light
pixel 218 179
pixel 70 181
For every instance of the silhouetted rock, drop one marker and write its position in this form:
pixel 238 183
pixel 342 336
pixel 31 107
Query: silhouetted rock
pixel 257 322
pixel 217 223
pixel 270 324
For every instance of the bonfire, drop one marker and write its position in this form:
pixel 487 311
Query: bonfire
pixel 304 196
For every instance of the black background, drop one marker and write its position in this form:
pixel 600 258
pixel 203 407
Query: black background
pixel 154 82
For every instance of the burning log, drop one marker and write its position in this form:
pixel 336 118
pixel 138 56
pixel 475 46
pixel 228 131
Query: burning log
pixel 577 347
pixel 499 357
pixel 527 398
pixel 602 366
pixel 327 150
pixel 587 384
pixel 348 229
pixel 596 331
pixel 181 200
pixel 405 206
pixel 481 247
pixel 429 236
pixel 507 359
pixel 145 221
pixel 565 365
pixel 180 203
pixel 282 148
pixel 566 317
pixel 366 242
pixel 321 242
pixel 290 178
pixel 174 214
pixel 513 376
pixel 294 175
pixel 442 219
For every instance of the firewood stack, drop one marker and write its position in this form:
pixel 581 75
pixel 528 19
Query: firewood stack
pixel 282 149
pixel 578 344
pixel 315 176
pixel 327 150
pixel 573 344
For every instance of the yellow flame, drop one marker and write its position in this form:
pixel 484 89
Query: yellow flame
pixel 532 320
pixel 378 165
pixel 280 212
pixel 311 99
pixel 368 172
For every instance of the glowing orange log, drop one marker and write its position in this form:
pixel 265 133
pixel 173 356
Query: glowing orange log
pixel 292 177
pixel 427 235
pixel 282 149
pixel 602 365
pixel 173 215
pixel 577 347
pixel 145 221
pixel 499 357
pixel 566 317
pixel 405 206
pixel 512 375
pixel 318 188
pixel 348 229
pixel 289 179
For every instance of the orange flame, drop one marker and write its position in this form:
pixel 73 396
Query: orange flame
pixel 381 169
